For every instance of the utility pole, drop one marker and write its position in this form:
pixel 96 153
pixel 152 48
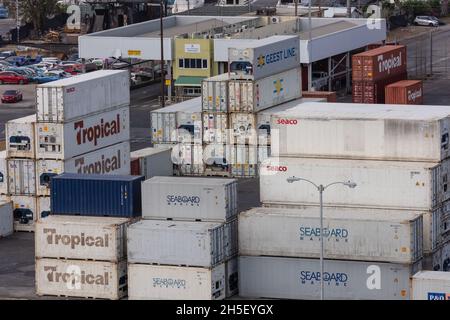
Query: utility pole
pixel 349 10
pixel 431 53
pixel 296 8
pixel 162 53
pixel 17 22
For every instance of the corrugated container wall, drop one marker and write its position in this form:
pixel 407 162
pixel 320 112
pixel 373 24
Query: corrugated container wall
pixel 330 96
pixel 6 219
pixel 379 63
pixel 83 238
pixel 3 173
pixel 195 244
pixel 96 195
pixel 431 285
pixel 20 137
pixel 215 127
pixel 21 177
pixel 180 198
pixel 296 278
pixel 65 140
pixel 254 96
pixel 110 160
pixel 152 282
pixel 373 91
pixel 380 184
pixel 243 128
pixel 102 280
pixel 188 159
pixel 215 93
pixel 381 132
pixel 350 234
pixel 150 162
pixel 76 97
pixel 43 207
pixel 405 92
pixel 25 212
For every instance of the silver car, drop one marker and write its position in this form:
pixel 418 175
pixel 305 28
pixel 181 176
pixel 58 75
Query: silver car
pixel 426 21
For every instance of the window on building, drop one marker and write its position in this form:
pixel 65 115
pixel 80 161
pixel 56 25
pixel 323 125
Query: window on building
pixel 187 63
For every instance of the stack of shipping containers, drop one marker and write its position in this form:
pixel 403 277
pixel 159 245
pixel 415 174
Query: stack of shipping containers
pixel 373 70
pixel 186 245
pixel 401 178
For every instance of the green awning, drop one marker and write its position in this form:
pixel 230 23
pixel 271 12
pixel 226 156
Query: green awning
pixel 186 81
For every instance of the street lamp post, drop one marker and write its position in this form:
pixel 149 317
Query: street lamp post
pixel 163 78
pixel 321 188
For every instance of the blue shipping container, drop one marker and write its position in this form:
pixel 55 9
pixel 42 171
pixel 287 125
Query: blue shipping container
pixel 96 195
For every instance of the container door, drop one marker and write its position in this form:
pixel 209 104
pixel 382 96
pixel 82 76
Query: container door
pixel 205 95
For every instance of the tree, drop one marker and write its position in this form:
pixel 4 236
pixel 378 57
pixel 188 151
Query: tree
pixel 36 11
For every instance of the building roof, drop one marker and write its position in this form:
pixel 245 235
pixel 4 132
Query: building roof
pixel 189 81
pixel 196 27
pixel 327 29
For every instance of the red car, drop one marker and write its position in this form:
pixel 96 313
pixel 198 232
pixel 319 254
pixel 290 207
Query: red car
pixel 12 77
pixel 73 69
pixel 12 96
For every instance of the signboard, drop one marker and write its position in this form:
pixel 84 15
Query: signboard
pixel 192 48
pixel 134 52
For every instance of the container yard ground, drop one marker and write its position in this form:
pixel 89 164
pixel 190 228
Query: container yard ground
pixel 17 251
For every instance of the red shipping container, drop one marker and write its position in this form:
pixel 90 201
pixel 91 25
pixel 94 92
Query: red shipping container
pixel 379 63
pixel 405 92
pixel 373 92
pixel 329 95
pixel 135 167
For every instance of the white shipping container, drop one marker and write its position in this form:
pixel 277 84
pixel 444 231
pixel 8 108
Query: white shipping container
pixel 20 141
pixel 6 219
pixel 150 162
pixel 380 184
pixel 3 173
pixel 86 94
pixel 441 257
pixel 180 122
pixel 215 93
pixel 83 238
pixel 349 233
pixel 380 132
pixel 43 207
pixel 244 160
pixel 78 278
pixel 188 159
pixel 64 141
pixel 21 177
pixel 25 212
pixel 231 277
pixel 183 198
pixel 243 128
pixel 297 278
pixel 215 127
pixel 254 96
pixel 151 282
pixel 114 159
pixel 264 57
pixel 431 285
pixel 195 244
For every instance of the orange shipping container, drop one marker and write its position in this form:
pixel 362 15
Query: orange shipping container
pixel 379 63
pixel 373 91
pixel 405 92
pixel 329 95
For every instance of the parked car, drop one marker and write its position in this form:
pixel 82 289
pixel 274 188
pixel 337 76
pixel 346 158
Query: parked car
pixel 12 96
pixel 7 54
pixel 73 69
pixel 12 77
pixel 23 72
pixel 17 60
pixel 52 60
pixel 50 76
pixel 31 61
pixel 426 21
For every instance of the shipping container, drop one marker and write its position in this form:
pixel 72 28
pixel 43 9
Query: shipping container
pixel 258 59
pixel 329 96
pixel 297 278
pixel 243 160
pixel 373 91
pixel 404 92
pixel 243 128
pixel 60 141
pixel 180 122
pixel 349 233
pixel 431 285
pixel 379 184
pixel 231 277
pixel 25 212
pixel 109 160
pixel 379 63
pixel 3 173
pixel 83 279
pixel 217 159
pixel 181 243
pixel 188 159
pixel 96 195
pixel 184 198
pixel 150 162
pixel 152 282
pixel 254 96
pixel 20 141
pixel 42 207
pixel 215 127
pixel 382 132
pixel 83 238
pixel 441 257
pixel 86 94
pixel 6 219
pixel 215 93
pixel 21 177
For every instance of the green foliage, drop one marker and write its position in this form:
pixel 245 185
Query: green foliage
pixel 36 11
pixel 421 7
